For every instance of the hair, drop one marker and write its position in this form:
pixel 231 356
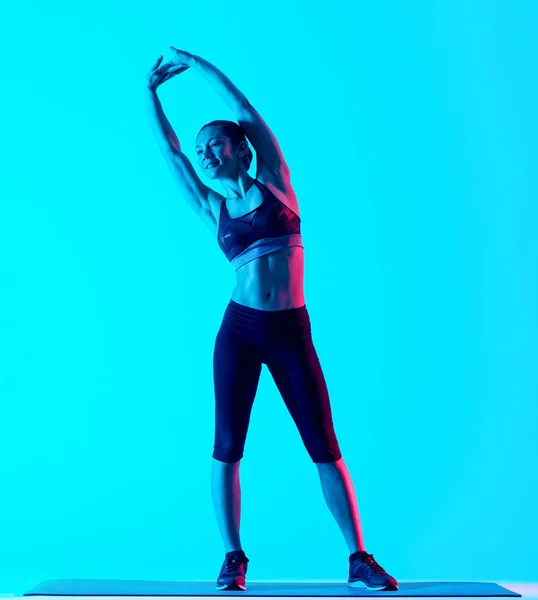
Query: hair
pixel 236 134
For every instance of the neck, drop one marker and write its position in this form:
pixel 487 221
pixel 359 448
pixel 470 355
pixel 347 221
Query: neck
pixel 236 189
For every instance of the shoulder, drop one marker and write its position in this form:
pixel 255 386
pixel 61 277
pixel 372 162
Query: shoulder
pixel 280 185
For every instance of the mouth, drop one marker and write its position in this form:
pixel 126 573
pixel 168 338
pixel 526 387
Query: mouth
pixel 212 165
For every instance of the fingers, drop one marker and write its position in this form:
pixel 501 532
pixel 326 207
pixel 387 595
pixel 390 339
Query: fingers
pixel 159 76
pixel 152 70
pixel 170 70
pixel 165 67
pixel 172 73
pixel 157 63
pixel 171 65
pixel 159 73
pixel 166 78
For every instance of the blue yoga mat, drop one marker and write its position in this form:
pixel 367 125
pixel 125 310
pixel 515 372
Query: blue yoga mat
pixel 119 587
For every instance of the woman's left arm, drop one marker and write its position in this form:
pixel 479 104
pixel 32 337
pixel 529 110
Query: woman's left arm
pixel 256 129
pixel 233 97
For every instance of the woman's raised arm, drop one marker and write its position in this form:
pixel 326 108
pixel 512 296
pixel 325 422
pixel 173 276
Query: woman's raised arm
pixel 165 134
pixel 268 152
pixel 226 89
pixel 195 192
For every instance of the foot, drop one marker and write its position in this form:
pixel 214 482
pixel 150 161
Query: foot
pixel 364 572
pixel 232 575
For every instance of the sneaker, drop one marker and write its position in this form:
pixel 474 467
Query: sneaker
pixel 233 571
pixel 364 572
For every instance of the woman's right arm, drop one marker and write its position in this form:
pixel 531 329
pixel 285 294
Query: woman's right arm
pixel 195 192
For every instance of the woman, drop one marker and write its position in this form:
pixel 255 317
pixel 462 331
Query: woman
pixel 257 226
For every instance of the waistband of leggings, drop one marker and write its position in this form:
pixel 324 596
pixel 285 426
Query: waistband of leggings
pixel 240 309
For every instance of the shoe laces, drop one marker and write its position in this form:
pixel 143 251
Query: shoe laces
pixel 234 562
pixel 370 561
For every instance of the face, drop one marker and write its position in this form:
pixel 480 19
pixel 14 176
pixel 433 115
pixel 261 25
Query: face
pixel 216 154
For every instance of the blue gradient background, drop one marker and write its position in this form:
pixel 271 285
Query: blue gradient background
pixel 410 129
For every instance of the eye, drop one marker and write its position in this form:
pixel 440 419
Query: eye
pixel 211 146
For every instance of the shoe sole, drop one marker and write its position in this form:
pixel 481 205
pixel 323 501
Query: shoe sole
pixel 361 584
pixel 233 586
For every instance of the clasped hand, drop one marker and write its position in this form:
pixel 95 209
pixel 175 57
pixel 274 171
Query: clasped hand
pixel 180 62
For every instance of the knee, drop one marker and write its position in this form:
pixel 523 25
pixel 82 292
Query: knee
pixel 227 455
pixel 326 457
pixel 323 450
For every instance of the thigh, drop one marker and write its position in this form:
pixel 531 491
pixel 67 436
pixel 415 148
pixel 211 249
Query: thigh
pixel 296 370
pixel 236 371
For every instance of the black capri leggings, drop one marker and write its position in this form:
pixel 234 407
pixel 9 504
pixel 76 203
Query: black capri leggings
pixel 282 340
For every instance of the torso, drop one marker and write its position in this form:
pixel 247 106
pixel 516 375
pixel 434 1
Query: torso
pixel 273 281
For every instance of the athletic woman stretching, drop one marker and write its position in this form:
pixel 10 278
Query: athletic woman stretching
pixel 257 226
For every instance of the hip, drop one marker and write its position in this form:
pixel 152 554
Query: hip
pixel 263 326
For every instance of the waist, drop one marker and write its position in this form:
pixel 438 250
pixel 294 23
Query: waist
pixel 273 281
pixel 265 246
